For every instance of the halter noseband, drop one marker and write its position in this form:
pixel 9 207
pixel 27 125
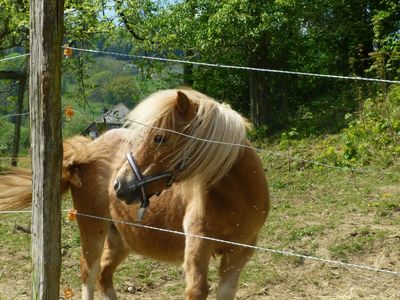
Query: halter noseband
pixel 141 182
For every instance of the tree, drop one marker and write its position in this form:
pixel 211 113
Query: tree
pixel 335 37
pixel 230 32
pixel 14 24
pixel 84 20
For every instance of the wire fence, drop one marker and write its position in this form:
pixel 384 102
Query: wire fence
pixel 291 158
pixel 262 150
pixel 259 150
pixel 14 57
pixel 257 248
pixel 356 191
pixel 13 115
pixel 224 66
pixel 196 63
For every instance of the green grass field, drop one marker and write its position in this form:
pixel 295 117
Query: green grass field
pixel 316 211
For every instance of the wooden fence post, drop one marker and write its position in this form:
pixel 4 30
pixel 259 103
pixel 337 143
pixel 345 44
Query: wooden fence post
pixel 46 29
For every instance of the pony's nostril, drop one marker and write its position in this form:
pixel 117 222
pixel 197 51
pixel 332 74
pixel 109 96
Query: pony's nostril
pixel 117 185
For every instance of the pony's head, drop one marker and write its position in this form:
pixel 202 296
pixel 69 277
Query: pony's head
pixel 178 135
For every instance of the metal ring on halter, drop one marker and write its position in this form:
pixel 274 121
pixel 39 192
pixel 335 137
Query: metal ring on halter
pixel 141 184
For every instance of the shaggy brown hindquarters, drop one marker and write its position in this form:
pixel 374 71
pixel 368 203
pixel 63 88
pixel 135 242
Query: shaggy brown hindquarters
pixel 16 183
pixel 15 189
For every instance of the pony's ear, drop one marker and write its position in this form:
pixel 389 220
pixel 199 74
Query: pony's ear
pixel 184 106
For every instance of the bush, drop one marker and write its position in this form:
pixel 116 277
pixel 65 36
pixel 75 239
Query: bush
pixel 374 135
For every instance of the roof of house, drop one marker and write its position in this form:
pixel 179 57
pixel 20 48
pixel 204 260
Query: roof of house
pixel 115 114
pixel 113 118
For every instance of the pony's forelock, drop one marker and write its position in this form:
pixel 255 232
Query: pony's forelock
pixel 217 132
pixel 156 111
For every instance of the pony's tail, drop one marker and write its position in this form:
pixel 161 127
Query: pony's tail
pixel 15 189
pixel 16 183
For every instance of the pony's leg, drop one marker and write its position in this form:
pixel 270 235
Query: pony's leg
pixel 113 254
pixel 196 260
pixel 232 263
pixel 93 234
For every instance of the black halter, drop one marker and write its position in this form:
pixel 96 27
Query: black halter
pixel 141 182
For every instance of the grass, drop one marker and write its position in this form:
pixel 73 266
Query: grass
pixel 328 213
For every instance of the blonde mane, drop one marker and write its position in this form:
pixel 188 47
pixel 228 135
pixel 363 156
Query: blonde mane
pixel 205 162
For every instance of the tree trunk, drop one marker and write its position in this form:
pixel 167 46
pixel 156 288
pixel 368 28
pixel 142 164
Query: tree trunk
pixel 46 23
pixel 260 100
pixel 21 77
pixel 260 109
pixel 188 71
pixel 18 119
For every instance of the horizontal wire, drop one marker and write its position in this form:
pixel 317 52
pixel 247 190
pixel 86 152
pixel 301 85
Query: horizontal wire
pixel 233 67
pixel 219 65
pixel 258 248
pixel 264 150
pixel 286 253
pixel 26 113
pixel 5 212
pixel 14 57
pixel 14 115
pixel 358 170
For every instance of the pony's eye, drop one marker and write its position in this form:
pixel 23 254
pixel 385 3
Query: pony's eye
pixel 159 139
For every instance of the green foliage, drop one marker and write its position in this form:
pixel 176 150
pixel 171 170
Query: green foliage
pixel 6 136
pixel 386 24
pixel 113 81
pixel 288 137
pixel 258 134
pixel 121 89
pixel 14 24
pixel 330 156
pixel 374 135
pixel 335 37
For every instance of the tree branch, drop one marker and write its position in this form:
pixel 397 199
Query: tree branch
pixel 124 18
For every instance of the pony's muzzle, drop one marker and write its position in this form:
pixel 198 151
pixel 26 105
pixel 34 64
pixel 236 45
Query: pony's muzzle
pixel 124 192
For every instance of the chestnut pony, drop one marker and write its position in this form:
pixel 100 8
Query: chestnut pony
pixel 189 168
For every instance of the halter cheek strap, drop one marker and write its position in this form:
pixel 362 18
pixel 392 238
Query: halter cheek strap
pixel 141 182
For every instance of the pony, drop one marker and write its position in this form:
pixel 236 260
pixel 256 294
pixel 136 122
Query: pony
pixel 189 168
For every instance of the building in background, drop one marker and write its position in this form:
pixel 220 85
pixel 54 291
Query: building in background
pixel 112 118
